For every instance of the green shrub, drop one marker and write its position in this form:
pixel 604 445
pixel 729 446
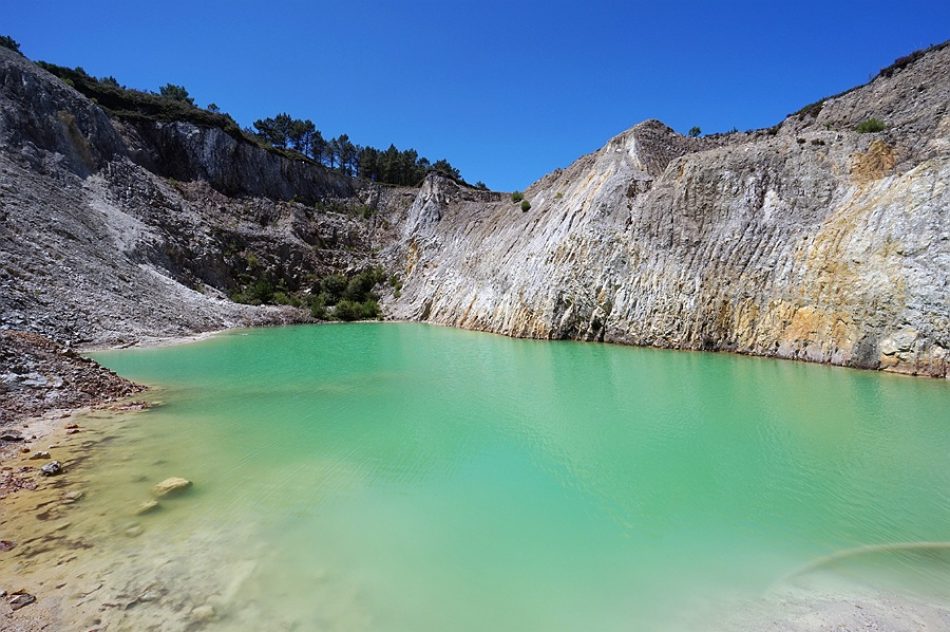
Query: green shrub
pixel 259 292
pixel 371 309
pixel 871 125
pixel 8 42
pixel 694 132
pixel 517 196
pixel 281 297
pixel 525 206
pixel 332 288
pixel 318 307
pixel 176 93
pixel 348 310
pixel 360 287
pixel 137 105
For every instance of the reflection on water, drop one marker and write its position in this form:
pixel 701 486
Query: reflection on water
pixel 405 477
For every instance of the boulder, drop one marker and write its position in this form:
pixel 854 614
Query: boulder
pixel 52 468
pixel 202 614
pixel 173 485
pixel 9 434
pixel 20 599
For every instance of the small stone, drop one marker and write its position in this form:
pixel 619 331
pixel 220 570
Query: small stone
pixel 202 614
pixel 71 497
pixel 134 531
pixel 146 507
pixel 72 427
pixel 6 545
pixel 171 485
pixel 72 431
pixel 21 599
pixel 42 454
pixel 24 450
pixel 52 468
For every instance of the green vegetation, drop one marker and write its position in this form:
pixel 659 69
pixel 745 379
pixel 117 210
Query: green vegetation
pixel 694 132
pixel 292 138
pixel 170 91
pixel 903 62
pixel 351 310
pixel 334 297
pixel 396 284
pixel 813 109
pixel 517 196
pixel 871 125
pixel 348 298
pixel 389 166
pixel 525 205
pixel 136 105
pixel 8 42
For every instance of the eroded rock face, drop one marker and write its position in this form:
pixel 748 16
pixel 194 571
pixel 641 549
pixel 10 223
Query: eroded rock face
pixel 112 232
pixel 807 241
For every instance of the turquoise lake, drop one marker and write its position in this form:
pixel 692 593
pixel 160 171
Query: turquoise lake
pixel 410 477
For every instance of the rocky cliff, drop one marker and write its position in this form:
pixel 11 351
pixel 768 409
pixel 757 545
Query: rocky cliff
pixel 810 240
pixel 115 229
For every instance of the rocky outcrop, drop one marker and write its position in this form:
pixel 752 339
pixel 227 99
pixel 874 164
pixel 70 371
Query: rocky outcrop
pixel 116 230
pixel 185 151
pixel 37 374
pixel 809 240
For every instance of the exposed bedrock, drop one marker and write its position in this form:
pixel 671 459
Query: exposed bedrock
pixel 809 241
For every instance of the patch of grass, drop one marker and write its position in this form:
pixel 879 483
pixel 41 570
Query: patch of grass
pixel 870 126
pixel 517 196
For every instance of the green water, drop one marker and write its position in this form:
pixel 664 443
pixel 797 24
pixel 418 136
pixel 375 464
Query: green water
pixel 407 477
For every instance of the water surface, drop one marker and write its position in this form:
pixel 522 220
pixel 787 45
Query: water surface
pixel 408 477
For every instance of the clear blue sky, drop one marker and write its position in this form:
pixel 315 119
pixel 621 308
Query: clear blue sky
pixel 505 90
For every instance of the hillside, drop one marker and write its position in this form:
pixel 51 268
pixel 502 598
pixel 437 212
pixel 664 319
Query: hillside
pixel 809 240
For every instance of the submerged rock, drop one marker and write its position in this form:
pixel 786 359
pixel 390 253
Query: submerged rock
pixel 202 614
pixel 134 530
pixel 21 599
pixel 52 468
pixel 147 506
pixel 37 456
pixel 71 497
pixel 173 485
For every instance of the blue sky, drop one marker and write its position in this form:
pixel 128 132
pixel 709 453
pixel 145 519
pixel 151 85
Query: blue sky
pixel 507 91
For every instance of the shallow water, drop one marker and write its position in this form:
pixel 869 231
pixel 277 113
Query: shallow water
pixel 408 477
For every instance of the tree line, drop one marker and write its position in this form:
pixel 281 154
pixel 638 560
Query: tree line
pixel 391 165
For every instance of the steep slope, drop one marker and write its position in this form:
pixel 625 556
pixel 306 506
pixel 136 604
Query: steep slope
pixel 115 230
pixel 809 240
